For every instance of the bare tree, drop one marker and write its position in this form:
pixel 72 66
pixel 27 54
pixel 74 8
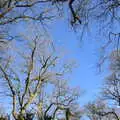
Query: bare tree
pixel 62 102
pixel 98 110
pixel 25 81
pixel 111 89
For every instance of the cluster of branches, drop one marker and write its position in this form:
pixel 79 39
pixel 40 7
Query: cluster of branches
pixel 81 10
pixel 98 110
pixel 25 84
pixel 104 12
pixel 9 6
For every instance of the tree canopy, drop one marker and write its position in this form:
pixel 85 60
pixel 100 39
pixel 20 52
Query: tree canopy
pixel 31 70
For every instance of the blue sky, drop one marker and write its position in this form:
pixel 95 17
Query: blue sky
pixel 86 54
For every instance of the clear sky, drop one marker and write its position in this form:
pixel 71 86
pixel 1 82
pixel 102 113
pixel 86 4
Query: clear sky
pixel 86 54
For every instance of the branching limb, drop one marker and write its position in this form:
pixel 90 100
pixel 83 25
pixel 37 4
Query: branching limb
pixel 75 17
pixel 11 89
pixel 27 82
pixel 109 113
